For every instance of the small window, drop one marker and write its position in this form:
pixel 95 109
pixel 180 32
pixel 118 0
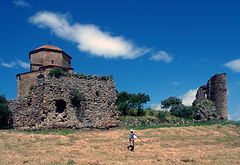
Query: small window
pixel 52 62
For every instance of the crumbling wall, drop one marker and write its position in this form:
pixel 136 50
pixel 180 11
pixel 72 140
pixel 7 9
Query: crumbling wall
pixel 216 91
pixel 49 105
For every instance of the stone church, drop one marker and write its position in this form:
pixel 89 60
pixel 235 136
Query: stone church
pixel 42 60
pixel 45 102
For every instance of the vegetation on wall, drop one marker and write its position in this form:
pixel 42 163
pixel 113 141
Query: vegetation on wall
pixel 57 72
pixel 102 77
pixel 5 113
pixel 32 87
pixel 76 97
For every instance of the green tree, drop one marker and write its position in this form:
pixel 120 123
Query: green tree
pixel 181 110
pixel 4 112
pixel 131 104
pixel 171 101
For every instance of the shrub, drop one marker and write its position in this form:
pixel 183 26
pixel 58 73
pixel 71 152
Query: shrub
pixel 182 111
pixel 161 115
pixel 4 112
pixel 150 112
pixel 106 77
pixel 80 74
pixel 70 162
pixel 90 75
pixel 76 97
pixel 57 72
pixel 32 87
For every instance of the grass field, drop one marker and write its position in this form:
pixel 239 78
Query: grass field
pixel 211 144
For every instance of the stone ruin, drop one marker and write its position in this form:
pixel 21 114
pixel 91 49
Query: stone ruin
pixel 215 91
pixel 45 102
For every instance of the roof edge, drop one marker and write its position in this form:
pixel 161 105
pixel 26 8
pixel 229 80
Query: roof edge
pixel 47 49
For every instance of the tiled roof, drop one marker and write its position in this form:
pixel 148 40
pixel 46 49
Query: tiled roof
pixel 49 47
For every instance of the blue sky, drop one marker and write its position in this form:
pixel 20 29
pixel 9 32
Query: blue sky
pixel 161 48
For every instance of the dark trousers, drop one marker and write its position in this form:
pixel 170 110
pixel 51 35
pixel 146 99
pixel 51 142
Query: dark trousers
pixel 131 146
pixel 131 141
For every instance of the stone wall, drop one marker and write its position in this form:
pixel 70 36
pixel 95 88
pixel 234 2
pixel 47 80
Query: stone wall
pixel 216 91
pixel 28 79
pixel 44 58
pixel 24 81
pixel 48 106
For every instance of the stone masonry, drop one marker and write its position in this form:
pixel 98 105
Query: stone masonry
pixel 45 102
pixel 49 106
pixel 216 91
pixel 42 60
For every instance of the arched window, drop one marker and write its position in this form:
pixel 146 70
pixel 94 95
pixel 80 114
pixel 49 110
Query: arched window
pixel 52 62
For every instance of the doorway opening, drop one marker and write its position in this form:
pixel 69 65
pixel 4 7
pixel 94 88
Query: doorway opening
pixel 60 105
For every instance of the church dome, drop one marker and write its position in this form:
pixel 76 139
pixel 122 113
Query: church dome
pixel 49 47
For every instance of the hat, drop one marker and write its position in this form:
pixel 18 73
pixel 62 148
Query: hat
pixel 131 130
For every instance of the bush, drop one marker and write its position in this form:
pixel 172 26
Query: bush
pixel 5 113
pixel 106 77
pixel 182 111
pixel 136 112
pixel 150 112
pixel 32 87
pixel 76 97
pixel 57 72
pixel 161 115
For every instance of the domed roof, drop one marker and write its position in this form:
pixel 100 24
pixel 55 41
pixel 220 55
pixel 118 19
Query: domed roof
pixel 49 47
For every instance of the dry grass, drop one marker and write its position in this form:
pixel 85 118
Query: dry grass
pixel 183 145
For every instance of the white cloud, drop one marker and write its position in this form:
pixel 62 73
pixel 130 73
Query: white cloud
pixel 229 117
pixel 159 107
pixel 175 83
pixel 234 65
pixel 8 65
pixel 162 56
pixel 14 64
pixel 189 97
pixel 22 3
pixel 23 64
pixel 156 106
pixel 236 114
pixel 88 37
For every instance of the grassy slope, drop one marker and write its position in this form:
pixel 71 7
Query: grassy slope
pixel 213 144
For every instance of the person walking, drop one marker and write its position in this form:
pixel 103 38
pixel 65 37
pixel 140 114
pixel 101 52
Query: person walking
pixel 132 136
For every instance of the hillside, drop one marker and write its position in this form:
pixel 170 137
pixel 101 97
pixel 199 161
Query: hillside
pixel 215 144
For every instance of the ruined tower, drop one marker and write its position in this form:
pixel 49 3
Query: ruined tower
pixel 216 91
